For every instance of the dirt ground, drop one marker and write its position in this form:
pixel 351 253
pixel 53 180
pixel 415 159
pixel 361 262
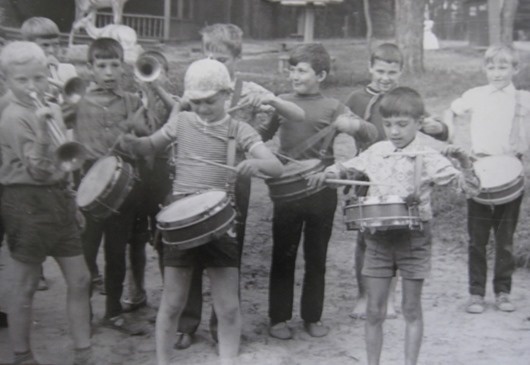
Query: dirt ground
pixel 451 335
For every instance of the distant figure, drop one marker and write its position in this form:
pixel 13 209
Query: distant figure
pixel 429 39
pixel 85 7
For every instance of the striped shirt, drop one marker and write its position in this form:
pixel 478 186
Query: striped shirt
pixel 194 138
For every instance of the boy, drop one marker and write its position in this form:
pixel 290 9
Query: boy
pixel 497 113
pixel 223 42
pixel 38 209
pixel 409 173
pixel 104 114
pixel 205 132
pixel 385 68
pixel 309 66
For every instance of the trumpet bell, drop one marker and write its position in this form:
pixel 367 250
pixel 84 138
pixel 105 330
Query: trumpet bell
pixel 147 68
pixel 74 89
pixel 71 156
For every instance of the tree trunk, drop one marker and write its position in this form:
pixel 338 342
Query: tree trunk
pixel 409 34
pixel 508 17
pixel 494 21
pixel 369 27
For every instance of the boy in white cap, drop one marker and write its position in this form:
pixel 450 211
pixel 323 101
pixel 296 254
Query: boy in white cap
pixel 205 134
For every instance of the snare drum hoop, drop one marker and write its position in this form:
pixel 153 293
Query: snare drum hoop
pixel 202 239
pixel 483 166
pixel 196 218
pixel 490 197
pixel 121 167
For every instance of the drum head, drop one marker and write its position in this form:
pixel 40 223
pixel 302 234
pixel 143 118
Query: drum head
pixel 190 206
pixel 293 168
pixel 496 171
pixel 96 180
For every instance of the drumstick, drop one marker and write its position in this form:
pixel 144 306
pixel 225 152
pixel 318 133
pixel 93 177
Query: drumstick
pixel 231 168
pixel 411 154
pixel 355 182
pixel 237 107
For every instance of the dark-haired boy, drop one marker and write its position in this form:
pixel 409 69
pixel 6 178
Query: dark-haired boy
pixel 404 249
pixel 312 215
pixel 385 68
pixel 104 114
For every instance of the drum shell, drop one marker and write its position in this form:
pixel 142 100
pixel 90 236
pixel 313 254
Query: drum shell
pixel 114 193
pixel 502 194
pixel 380 216
pixel 200 229
pixel 294 186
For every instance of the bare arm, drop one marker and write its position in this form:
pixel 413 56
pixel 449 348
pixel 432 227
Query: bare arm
pixel 262 161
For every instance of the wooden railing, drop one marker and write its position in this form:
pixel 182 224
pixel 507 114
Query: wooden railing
pixel 146 26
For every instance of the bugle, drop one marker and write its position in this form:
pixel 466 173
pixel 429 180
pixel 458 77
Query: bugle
pixel 74 89
pixel 70 154
pixel 149 65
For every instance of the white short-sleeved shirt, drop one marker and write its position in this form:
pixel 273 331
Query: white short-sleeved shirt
pixel 492 114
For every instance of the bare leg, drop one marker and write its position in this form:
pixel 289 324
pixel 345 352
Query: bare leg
pixel 359 310
pixel 174 297
pixel 412 312
pixel 391 304
pixel 77 276
pixel 377 294
pixel 25 278
pixel 225 295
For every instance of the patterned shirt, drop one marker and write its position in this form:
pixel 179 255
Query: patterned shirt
pixel 378 163
pixel 492 114
pixel 194 138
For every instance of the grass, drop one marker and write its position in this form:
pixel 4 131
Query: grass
pixel 448 72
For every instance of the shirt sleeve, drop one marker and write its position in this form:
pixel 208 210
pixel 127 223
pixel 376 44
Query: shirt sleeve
pixel 367 132
pixel 464 104
pixel 350 168
pixel 247 137
pixel 442 172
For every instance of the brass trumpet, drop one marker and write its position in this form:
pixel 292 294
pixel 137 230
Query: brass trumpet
pixel 74 89
pixel 70 155
pixel 148 66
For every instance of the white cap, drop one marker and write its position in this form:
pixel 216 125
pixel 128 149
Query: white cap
pixel 205 78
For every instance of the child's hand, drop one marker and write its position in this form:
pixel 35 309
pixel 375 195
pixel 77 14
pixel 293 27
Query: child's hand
pixel 347 124
pixel 431 126
pixel 128 143
pixel 43 114
pixel 319 179
pixel 412 199
pixel 459 154
pixel 248 167
pixel 256 100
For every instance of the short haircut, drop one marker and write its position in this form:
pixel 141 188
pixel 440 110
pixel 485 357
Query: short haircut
pixel 20 53
pixel 502 53
pixel 313 53
pixel 105 48
pixel 402 102
pixel 39 27
pixel 228 35
pixel 387 52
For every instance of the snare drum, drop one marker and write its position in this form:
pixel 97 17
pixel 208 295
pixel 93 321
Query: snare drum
pixel 196 219
pixel 292 185
pixel 381 213
pixel 501 179
pixel 105 187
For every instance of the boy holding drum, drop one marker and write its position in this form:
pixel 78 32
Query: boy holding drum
pixel 313 214
pixel 405 168
pixel 104 114
pixel 498 113
pixel 208 143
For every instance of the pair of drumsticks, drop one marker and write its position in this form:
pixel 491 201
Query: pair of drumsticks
pixel 329 181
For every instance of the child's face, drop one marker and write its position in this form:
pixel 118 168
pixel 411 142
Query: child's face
pixel 222 54
pixel 50 46
pixel 500 73
pixel 401 130
pixel 385 75
pixel 211 109
pixel 304 79
pixel 107 72
pixel 25 78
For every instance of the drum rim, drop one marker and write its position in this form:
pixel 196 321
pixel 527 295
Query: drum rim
pixel 218 207
pixel 114 178
pixel 502 200
pixel 505 185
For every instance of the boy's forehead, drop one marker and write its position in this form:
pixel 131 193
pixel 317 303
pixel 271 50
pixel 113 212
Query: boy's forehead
pixel 399 118
pixel 386 65
pixel 100 61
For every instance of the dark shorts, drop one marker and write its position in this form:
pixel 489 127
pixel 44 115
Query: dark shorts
pixel 40 221
pixel 403 249
pixel 221 252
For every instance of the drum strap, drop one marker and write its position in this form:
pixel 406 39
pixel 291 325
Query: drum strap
pixel 231 146
pixel 418 165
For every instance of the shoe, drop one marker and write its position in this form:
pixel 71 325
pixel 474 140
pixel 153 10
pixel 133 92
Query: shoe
pixel 43 284
pixel 98 285
pixel 184 340
pixel 281 331
pixel 316 329
pixel 213 328
pixel 502 302
pixel 130 305
pixel 120 323
pixel 475 305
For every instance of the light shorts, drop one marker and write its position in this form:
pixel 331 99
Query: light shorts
pixel 403 249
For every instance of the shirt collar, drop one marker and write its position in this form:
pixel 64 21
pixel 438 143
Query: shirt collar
pixel 412 146
pixel 370 90
pixel 509 89
pixel 212 124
